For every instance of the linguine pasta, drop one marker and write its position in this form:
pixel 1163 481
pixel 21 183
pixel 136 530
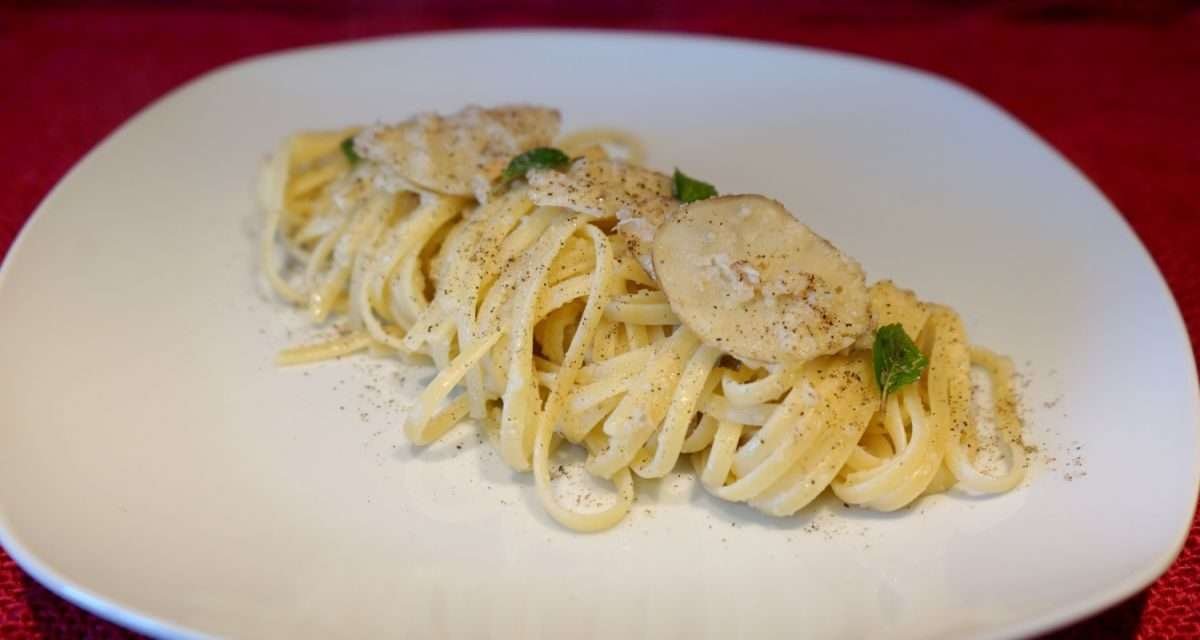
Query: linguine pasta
pixel 587 305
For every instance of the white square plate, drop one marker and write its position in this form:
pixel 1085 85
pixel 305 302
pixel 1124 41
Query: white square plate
pixel 156 468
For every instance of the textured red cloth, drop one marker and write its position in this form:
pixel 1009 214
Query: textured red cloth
pixel 1115 87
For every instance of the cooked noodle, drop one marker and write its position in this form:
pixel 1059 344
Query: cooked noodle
pixel 544 322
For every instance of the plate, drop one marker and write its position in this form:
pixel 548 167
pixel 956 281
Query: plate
pixel 157 469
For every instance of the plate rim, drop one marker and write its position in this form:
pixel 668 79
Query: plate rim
pixel 134 618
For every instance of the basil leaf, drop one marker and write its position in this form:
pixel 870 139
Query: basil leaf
pixel 349 152
pixel 897 359
pixel 689 189
pixel 539 158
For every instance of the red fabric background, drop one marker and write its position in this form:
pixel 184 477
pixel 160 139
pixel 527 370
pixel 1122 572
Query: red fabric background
pixel 1114 86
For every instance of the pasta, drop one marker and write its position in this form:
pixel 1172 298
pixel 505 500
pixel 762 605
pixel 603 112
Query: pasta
pixel 584 304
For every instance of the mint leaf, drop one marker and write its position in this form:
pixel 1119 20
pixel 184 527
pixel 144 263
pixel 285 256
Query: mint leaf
pixel 348 151
pixel 897 359
pixel 689 189
pixel 539 158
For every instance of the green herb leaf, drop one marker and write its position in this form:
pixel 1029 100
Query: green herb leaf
pixel 898 361
pixel 689 189
pixel 539 158
pixel 349 152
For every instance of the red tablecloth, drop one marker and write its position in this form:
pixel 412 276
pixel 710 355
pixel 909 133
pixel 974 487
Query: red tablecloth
pixel 1115 87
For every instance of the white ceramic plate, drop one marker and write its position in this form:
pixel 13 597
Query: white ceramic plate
pixel 156 468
